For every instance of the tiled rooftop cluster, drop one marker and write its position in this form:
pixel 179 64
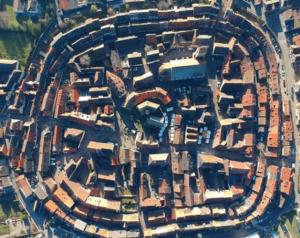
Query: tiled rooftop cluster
pixel 130 138
pixel 292 23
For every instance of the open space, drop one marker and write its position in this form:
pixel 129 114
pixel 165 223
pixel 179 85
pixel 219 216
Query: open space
pixel 11 209
pixel 15 45
pixel 291 223
pixel 4 229
pixel 8 18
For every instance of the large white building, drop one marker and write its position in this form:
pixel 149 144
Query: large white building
pixel 182 69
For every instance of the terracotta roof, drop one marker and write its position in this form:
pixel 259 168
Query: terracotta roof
pixel 57 135
pixel 259 63
pixel 117 83
pixel 237 191
pixel 286 108
pixel 273 137
pixel 73 132
pixel 62 196
pixel 50 184
pixel 1 132
pixel 262 73
pixel 257 185
pixel 81 211
pixel 249 139
pixel 210 159
pixel 150 202
pixel 24 186
pixel 239 166
pixel 64 4
pixel 94 145
pixel 51 206
pixel 287 130
pixel 286 174
pixel 135 98
pixel 262 94
pixel 261 168
pixel 248 99
pixel 296 40
pixel 77 191
pixel 262 206
pixel 106 175
pixel 60 214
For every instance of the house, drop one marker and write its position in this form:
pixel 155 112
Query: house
pixel 62 197
pixel 220 49
pixel 66 5
pixel 161 159
pixel 10 74
pixel 24 187
pixel 147 107
pixel 44 151
pixel 271 5
pixel 73 134
pixel 182 69
pixel 6 187
pixel 30 8
pixel 94 146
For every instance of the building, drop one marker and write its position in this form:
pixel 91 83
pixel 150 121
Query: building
pixel 204 40
pixel 122 188
pixel 271 5
pixel 44 151
pixel 101 148
pixel 6 186
pixel 220 49
pixel 67 5
pixel 30 8
pixel 147 107
pixel 182 69
pixel 24 187
pixel 159 159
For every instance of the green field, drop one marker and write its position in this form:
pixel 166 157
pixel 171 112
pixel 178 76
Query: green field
pixel 11 209
pixel 291 223
pixel 18 33
pixel 15 45
pixel 4 229
pixel 8 19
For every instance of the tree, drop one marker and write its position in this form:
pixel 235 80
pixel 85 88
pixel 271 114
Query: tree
pixel 110 11
pixel 3 5
pixel 85 60
pixel 93 9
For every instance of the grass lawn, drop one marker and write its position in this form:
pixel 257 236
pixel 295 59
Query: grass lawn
pixel 8 18
pixel 127 191
pixel 297 75
pixel 15 45
pixel 127 200
pixel 10 209
pixel 18 33
pixel 4 229
pixel 291 224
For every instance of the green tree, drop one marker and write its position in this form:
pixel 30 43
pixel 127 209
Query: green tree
pixel 94 9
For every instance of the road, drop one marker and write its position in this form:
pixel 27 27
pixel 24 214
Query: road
pixel 277 26
pixel 37 219
pixel 290 77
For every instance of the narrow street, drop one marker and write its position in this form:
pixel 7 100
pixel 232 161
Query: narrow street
pixel 34 217
pixel 290 77
pixel 287 73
